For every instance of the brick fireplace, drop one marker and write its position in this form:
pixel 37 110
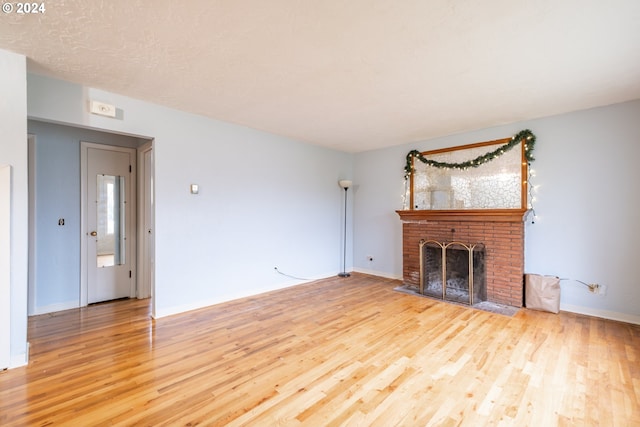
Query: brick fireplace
pixel 500 231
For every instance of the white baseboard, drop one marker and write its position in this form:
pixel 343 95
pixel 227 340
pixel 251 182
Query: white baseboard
pixel 377 273
pixel 21 359
pixel 55 307
pixel 179 309
pixel 169 311
pixel 605 314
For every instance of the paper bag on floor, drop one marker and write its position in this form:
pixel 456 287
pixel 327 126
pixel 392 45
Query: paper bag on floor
pixel 542 292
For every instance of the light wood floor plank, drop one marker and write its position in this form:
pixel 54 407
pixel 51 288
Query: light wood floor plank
pixel 339 351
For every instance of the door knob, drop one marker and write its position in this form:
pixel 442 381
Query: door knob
pixel 94 233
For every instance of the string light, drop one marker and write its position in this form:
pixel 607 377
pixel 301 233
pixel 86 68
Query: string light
pixel 404 194
pixel 532 198
pixel 524 135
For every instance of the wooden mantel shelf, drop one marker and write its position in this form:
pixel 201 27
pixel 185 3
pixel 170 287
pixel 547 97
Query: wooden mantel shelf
pixel 486 215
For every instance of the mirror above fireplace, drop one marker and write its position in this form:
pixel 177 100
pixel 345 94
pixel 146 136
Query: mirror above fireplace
pixel 489 175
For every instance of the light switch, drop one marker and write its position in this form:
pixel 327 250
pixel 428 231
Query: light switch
pixel 194 188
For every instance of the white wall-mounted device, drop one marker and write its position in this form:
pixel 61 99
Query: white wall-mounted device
pixel 102 109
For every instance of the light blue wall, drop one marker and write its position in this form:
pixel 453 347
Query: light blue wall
pixel 56 270
pixel 265 201
pixel 587 203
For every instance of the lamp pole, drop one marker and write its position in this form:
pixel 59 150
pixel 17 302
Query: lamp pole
pixel 344 184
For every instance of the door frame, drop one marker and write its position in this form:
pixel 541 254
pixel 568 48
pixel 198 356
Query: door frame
pixel 146 209
pixel 33 199
pixel 84 232
pixel 5 266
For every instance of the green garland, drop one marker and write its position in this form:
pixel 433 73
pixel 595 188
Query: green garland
pixel 526 135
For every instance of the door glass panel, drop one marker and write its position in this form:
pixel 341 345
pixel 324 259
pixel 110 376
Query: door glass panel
pixel 110 221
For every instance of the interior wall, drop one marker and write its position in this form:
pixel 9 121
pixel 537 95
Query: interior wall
pixel 265 201
pixel 13 152
pixel 586 169
pixel 5 266
pixel 56 254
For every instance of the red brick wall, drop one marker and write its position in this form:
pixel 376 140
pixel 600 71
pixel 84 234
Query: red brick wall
pixel 504 252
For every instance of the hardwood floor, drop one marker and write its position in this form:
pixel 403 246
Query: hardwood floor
pixel 334 352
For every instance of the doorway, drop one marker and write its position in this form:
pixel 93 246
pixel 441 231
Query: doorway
pixel 108 203
pixel 58 224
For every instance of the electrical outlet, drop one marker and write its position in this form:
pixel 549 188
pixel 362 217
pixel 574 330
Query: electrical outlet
pixel 593 288
pixel 602 290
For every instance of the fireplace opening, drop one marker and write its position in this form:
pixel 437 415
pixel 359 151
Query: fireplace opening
pixel 453 271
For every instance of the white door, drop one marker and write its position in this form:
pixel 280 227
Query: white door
pixel 110 222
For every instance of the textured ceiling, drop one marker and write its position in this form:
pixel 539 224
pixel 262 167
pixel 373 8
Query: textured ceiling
pixel 351 75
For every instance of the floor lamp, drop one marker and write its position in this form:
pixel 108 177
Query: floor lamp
pixel 345 184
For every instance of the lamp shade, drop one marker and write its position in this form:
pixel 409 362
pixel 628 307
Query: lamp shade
pixel 345 183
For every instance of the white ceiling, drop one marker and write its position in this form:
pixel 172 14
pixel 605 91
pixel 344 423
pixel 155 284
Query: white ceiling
pixel 352 75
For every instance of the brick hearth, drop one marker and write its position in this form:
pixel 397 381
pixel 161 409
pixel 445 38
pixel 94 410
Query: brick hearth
pixel 501 232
